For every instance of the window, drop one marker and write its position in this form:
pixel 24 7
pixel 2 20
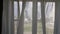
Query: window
pixel 34 17
pixel 49 9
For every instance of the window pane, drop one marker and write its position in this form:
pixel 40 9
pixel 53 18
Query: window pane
pixel 39 23
pixel 15 10
pixel 16 14
pixel 28 18
pixel 50 15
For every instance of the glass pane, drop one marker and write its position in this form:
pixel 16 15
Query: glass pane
pixel 50 15
pixel 39 23
pixel 15 17
pixel 15 10
pixel 28 18
pixel 16 14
